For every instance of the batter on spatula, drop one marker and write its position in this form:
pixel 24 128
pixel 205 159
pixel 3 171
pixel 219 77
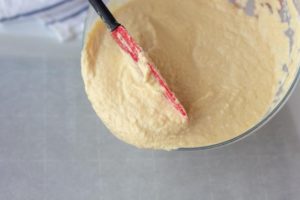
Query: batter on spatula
pixel 219 61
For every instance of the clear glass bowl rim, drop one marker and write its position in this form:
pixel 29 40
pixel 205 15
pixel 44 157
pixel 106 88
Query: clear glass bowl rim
pixel 247 133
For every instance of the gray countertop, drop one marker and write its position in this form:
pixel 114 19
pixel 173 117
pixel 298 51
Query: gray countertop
pixel 53 146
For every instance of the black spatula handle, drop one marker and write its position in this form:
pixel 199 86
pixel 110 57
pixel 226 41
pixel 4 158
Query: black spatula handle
pixel 105 14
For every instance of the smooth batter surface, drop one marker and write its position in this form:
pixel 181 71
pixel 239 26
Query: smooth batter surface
pixel 216 59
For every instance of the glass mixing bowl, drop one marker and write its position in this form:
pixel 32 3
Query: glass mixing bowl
pixel 285 87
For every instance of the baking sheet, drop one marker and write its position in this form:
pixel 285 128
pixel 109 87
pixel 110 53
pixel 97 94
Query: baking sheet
pixel 53 146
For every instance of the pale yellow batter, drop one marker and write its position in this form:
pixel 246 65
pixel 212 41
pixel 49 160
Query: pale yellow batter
pixel 223 65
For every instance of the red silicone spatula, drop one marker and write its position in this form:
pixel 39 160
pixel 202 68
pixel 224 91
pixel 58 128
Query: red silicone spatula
pixel 128 45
